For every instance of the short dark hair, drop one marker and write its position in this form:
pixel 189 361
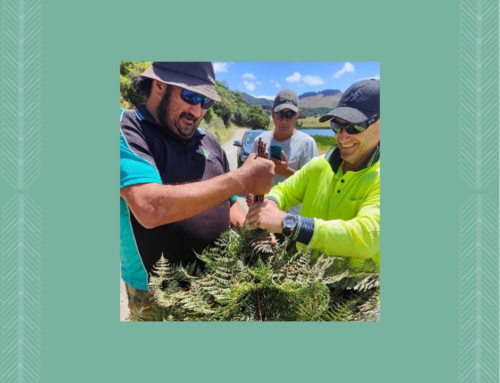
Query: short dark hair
pixel 142 85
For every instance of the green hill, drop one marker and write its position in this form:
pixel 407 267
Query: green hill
pixel 325 99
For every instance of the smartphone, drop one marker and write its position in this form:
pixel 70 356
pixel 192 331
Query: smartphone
pixel 276 151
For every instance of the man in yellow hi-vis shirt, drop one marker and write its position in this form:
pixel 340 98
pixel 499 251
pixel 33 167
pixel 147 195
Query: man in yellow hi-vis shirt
pixel 340 191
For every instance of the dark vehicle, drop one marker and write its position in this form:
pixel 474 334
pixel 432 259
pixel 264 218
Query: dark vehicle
pixel 245 145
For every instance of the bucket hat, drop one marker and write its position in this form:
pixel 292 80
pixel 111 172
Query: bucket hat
pixel 198 77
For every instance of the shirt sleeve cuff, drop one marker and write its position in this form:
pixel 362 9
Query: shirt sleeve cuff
pixel 272 199
pixel 305 230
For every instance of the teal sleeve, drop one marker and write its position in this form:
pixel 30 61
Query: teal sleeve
pixel 135 169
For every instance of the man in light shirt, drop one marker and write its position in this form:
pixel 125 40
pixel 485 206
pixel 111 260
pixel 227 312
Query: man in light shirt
pixel 297 148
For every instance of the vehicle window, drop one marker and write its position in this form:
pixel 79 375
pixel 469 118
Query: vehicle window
pixel 250 138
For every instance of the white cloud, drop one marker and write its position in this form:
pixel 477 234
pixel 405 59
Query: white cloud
pixel 249 85
pixel 266 97
pixel 294 78
pixel 348 67
pixel 276 83
pixel 250 76
pixel 307 79
pixel 220 67
pixel 313 80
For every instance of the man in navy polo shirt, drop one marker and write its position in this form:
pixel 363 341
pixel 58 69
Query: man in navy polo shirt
pixel 177 194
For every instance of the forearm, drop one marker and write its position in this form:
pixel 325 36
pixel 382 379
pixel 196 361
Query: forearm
pixel 155 205
pixel 288 172
pixel 282 196
pixel 290 192
pixel 358 238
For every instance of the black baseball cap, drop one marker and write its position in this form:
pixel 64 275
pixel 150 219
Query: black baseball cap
pixel 286 99
pixel 359 103
pixel 198 77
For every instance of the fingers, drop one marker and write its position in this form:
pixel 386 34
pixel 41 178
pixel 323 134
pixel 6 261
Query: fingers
pixel 253 218
pixel 276 161
pixel 249 199
pixel 274 241
pixel 257 175
pixel 283 156
pixel 253 222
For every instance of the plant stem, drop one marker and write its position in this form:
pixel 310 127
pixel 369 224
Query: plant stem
pixel 261 152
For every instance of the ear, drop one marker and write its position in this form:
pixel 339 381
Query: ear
pixel 298 113
pixel 159 88
pixel 272 112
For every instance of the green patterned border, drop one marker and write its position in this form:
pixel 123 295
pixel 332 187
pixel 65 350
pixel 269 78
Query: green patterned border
pixel 20 257
pixel 389 350
pixel 479 215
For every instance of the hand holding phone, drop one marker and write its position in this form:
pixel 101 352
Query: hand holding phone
pixel 276 151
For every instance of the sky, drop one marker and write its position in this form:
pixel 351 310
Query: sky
pixel 266 79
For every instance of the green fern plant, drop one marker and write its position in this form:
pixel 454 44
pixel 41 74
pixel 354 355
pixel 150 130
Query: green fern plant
pixel 246 279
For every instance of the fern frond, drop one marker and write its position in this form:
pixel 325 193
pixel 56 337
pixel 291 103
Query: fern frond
pixel 247 280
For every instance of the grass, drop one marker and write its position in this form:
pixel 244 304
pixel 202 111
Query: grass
pixel 217 128
pixel 223 134
pixel 313 123
pixel 324 143
pixel 306 123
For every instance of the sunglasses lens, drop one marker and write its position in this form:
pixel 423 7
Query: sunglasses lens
pixel 189 97
pixel 207 103
pixel 286 115
pixel 349 128
pixel 337 128
pixel 194 99
pixel 355 129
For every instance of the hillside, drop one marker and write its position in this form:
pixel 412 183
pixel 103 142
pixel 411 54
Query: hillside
pixel 326 92
pixel 327 98
pixel 251 100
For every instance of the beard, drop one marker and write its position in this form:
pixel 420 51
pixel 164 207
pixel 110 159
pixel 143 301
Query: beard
pixel 172 123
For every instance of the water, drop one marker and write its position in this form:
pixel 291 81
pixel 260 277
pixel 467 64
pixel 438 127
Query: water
pixel 319 132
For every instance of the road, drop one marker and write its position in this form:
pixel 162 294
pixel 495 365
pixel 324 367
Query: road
pixel 230 150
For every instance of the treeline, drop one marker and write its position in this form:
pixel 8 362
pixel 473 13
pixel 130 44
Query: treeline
pixel 326 92
pixel 233 109
pixel 315 112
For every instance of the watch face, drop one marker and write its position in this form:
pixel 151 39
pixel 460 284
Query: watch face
pixel 289 223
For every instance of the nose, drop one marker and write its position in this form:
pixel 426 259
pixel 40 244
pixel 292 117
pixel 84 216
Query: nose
pixel 282 119
pixel 343 135
pixel 195 110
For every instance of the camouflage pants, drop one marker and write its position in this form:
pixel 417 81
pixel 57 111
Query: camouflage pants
pixel 139 303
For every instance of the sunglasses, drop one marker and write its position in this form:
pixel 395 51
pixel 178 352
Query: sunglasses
pixel 287 115
pixel 194 98
pixel 352 128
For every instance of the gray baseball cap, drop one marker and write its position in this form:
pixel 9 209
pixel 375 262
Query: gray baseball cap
pixel 359 103
pixel 198 77
pixel 286 99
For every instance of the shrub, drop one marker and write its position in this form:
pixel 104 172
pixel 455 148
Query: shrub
pixel 257 118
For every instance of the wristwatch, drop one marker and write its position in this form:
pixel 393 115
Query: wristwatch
pixel 289 223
